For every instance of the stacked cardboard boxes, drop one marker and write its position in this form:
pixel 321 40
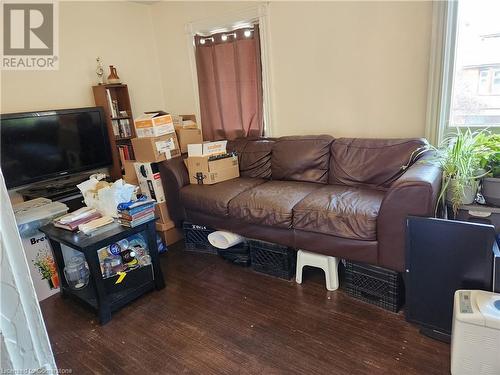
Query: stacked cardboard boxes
pixel 209 163
pixel 187 131
pixel 156 141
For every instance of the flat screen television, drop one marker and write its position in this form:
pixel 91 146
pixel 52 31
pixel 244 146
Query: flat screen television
pixel 37 146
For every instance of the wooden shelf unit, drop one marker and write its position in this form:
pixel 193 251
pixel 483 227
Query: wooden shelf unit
pixel 118 92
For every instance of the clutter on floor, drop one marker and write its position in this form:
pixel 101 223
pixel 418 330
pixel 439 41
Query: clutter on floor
pixel 196 239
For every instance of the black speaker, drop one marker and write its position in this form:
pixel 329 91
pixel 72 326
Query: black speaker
pixel 443 256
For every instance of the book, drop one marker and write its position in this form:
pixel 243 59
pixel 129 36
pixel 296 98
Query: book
pixel 114 106
pixel 126 216
pixel 110 103
pixel 135 223
pixel 76 215
pixel 95 224
pixel 136 209
pixel 116 128
pixel 73 225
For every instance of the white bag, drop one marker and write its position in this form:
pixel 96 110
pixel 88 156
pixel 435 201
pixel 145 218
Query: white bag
pixel 106 199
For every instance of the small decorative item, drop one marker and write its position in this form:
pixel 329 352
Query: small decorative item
pixel 100 71
pixel 113 76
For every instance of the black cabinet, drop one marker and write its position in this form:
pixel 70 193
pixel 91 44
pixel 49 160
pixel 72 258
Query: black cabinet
pixel 106 295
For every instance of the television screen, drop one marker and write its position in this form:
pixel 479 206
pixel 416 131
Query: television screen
pixel 41 145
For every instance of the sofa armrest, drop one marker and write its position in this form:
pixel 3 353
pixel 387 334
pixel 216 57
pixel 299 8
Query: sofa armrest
pixel 414 193
pixel 174 176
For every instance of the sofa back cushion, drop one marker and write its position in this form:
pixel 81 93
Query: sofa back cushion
pixel 301 158
pixel 254 156
pixel 371 162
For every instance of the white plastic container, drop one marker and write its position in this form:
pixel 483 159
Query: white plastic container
pixel 475 340
pixel 30 216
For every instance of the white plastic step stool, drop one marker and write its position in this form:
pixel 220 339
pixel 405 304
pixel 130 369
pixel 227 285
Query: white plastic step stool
pixel 326 263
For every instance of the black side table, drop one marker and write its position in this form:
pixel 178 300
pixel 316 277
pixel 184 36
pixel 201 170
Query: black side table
pixel 104 294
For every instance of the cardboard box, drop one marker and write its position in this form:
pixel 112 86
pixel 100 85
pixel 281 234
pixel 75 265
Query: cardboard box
pixel 207 148
pixel 161 211
pixel 150 183
pixel 129 176
pixel 187 131
pixel 206 170
pixel 155 149
pixel 184 121
pixel 154 125
pixel 171 235
pixel 162 227
pixel 188 136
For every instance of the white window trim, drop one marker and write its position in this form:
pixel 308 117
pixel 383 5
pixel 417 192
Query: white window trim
pixel 441 66
pixel 231 21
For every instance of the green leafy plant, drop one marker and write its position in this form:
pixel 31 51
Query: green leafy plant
pixel 463 157
pixel 491 163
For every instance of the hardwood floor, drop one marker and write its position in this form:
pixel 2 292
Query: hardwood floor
pixel 217 318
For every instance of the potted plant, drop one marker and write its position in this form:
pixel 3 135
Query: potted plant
pixel 460 157
pixel 491 182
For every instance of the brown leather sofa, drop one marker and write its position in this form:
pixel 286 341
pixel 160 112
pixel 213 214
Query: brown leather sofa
pixel 342 197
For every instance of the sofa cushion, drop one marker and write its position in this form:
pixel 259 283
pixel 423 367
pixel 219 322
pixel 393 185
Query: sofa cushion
pixel 254 156
pixel 341 211
pixel 270 203
pixel 370 162
pixel 301 158
pixel 214 199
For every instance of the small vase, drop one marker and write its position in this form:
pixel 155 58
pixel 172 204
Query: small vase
pixel 113 76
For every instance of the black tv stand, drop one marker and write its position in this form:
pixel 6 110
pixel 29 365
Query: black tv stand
pixel 63 190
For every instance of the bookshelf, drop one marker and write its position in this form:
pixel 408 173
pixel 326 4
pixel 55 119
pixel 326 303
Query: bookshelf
pixel 115 100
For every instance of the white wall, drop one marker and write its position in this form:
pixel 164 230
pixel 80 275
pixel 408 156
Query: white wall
pixel 120 32
pixel 342 68
pixel 169 21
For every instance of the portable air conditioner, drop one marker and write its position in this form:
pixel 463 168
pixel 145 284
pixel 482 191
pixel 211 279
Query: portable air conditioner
pixel 475 340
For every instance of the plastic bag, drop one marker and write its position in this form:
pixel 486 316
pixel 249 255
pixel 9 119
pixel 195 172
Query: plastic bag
pixel 105 197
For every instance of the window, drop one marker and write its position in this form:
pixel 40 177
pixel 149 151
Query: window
pixel 220 32
pixel 495 86
pixel 483 82
pixel 475 92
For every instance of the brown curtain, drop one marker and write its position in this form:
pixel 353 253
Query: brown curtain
pixel 230 84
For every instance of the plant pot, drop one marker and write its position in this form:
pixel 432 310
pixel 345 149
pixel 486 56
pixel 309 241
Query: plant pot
pixel 468 195
pixel 491 190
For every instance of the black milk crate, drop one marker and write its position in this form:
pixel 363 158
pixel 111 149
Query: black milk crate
pixel 273 259
pixel 375 285
pixel 196 238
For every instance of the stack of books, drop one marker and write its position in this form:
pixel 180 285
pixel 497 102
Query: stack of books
pixel 81 216
pixel 137 213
